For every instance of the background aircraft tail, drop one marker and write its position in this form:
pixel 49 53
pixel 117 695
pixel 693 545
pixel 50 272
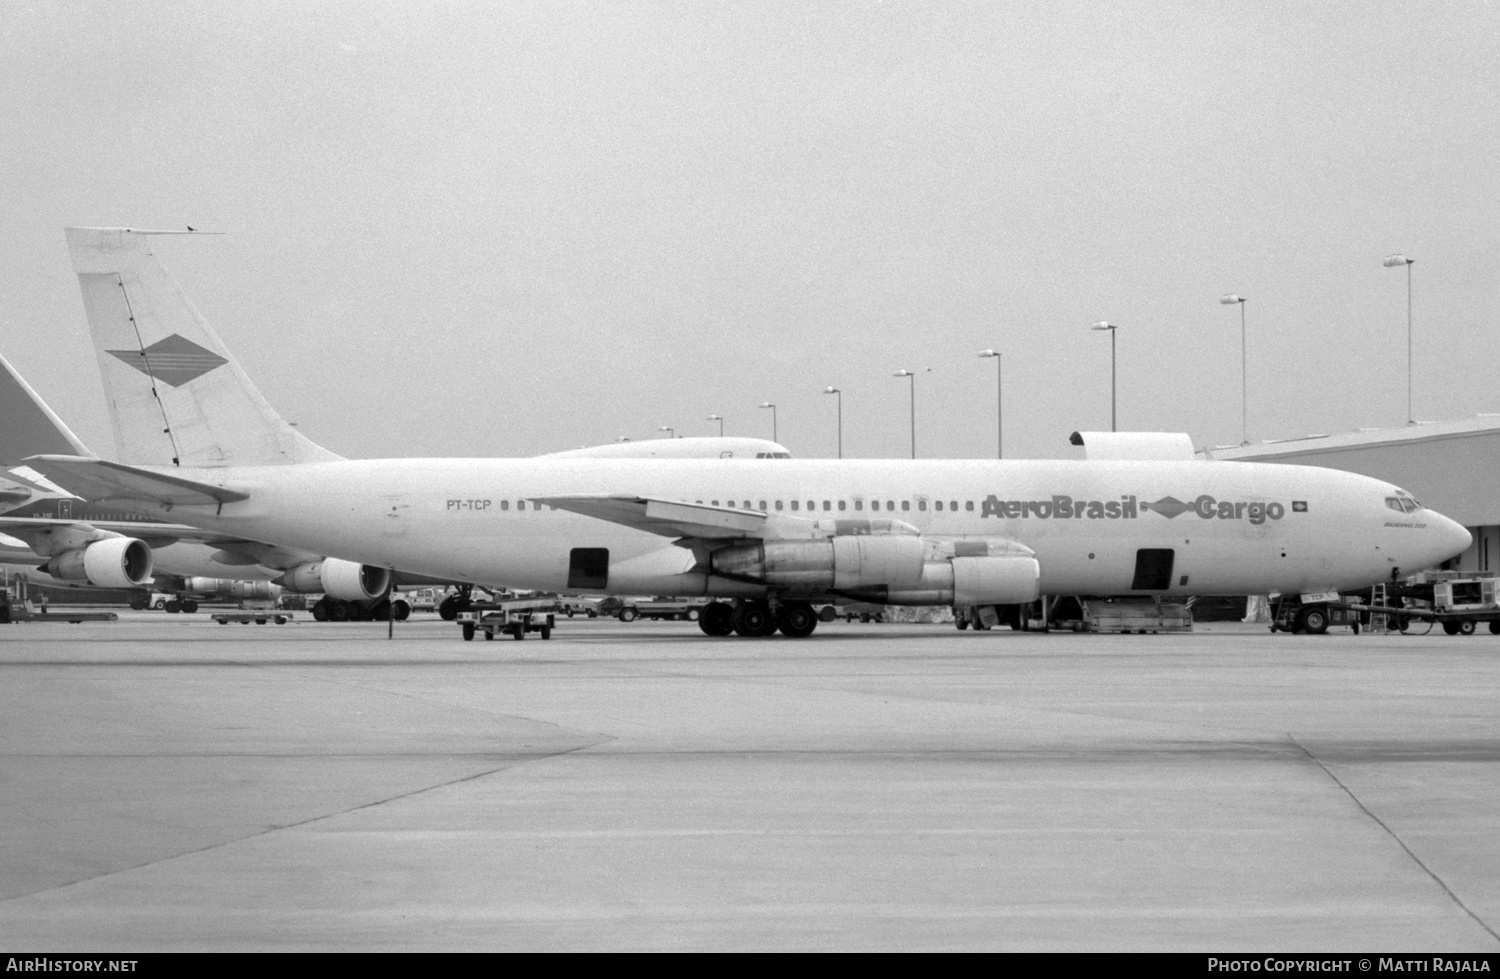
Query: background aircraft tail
pixel 30 427
pixel 176 396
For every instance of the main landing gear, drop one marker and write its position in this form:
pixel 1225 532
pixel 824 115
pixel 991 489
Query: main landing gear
pixel 758 619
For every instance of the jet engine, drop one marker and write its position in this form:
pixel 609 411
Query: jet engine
pixel 338 579
pixel 816 566
pixel 119 562
pixel 895 569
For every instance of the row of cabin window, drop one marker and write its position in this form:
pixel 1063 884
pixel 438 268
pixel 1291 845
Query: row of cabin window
pixel 812 505
pixel 828 505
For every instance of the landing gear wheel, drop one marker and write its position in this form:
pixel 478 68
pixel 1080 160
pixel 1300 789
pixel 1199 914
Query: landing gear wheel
pixel 753 620
pixel 403 610
pixel 716 619
pixel 796 620
pixel 174 606
pixel 320 610
pixel 188 605
pixel 338 610
pixel 448 608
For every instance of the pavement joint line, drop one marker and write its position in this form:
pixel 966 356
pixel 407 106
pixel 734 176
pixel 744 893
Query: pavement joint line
pixel 1399 842
pixel 300 823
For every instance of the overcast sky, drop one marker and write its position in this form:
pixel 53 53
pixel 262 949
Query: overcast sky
pixel 508 228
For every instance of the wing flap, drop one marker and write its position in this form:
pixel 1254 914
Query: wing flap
pixel 666 518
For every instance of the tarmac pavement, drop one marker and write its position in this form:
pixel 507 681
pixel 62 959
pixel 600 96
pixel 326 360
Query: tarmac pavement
pixel 167 783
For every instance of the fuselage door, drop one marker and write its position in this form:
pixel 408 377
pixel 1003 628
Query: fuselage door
pixel 1153 569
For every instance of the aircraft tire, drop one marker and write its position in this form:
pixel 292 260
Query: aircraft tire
pixel 1314 621
pixel 338 611
pixel 174 606
pixel 796 620
pixel 320 610
pixel 403 610
pixel 716 619
pixel 753 620
pixel 189 605
pixel 448 608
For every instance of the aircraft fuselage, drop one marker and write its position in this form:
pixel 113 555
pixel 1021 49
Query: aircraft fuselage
pixel 1232 528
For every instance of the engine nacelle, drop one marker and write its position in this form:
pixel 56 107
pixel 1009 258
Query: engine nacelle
pixel 337 578
pixel 968 581
pixel 816 566
pixel 119 562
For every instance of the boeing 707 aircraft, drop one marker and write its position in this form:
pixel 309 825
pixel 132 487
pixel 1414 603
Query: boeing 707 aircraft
pixel 765 538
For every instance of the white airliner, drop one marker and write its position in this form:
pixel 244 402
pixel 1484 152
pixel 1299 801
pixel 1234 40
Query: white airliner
pixel 766 537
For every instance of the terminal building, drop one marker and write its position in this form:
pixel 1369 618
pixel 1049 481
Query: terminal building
pixel 1452 467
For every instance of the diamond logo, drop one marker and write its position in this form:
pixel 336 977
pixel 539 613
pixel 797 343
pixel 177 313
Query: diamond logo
pixel 174 360
pixel 1168 507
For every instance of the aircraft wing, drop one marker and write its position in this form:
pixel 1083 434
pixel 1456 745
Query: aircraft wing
pixel 99 481
pixel 63 534
pixel 667 518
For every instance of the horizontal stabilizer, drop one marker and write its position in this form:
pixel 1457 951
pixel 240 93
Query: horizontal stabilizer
pixel 108 482
pixel 668 518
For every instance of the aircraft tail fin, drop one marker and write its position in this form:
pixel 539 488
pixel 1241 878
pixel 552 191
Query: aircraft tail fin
pixel 176 396
pixel 30 427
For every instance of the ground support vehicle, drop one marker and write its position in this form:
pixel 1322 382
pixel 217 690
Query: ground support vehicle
pixel 513 618
pixel 1456 604
pixel 259 616
pixel 1292 614
pixel 571 606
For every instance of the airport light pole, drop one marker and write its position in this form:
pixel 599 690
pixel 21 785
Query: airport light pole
pixel 999 404
pixel 767 404
pixel 1395 262
pixel 913 378
pixel 1236 300
pixel 671 432
pixel 720 420
pixel 833 390
pixel 1111 327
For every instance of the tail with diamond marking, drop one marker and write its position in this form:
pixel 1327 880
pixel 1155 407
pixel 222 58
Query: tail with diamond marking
pixel 176 396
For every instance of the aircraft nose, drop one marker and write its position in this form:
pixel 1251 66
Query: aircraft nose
pixel 1454 538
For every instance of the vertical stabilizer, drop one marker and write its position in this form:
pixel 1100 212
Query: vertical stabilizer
pixel 27 426
pixel 176 396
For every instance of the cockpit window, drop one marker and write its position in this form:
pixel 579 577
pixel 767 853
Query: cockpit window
pixel 1402 502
